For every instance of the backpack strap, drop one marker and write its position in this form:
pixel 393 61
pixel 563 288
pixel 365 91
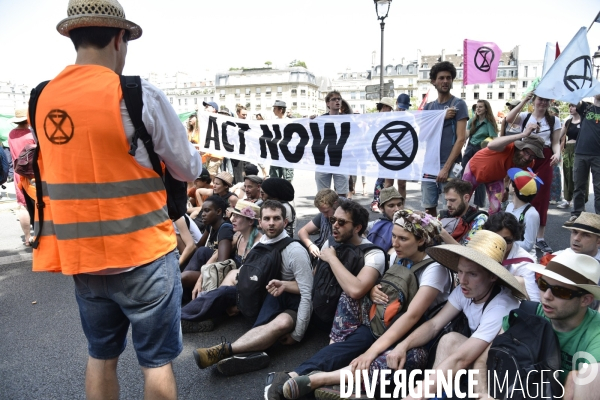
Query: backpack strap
pixel 469 218
pixel 33 100
pixel 282 244
pixel 131 86
pixel 522 216
pixel 495 291
pixel 421 264
pixel 524 123
pixel 530 307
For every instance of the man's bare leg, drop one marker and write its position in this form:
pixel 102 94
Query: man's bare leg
pixel 264 336
pixel 448 345
pixel 159 383
pixel 101 380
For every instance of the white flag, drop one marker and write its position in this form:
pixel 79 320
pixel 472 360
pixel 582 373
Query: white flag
pixel 571 77
pixel 549 57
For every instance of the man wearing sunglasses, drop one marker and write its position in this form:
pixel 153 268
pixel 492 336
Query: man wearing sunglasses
pixel 489 166
pixel 568 285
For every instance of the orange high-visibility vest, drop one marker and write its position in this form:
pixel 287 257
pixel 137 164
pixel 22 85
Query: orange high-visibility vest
pixel 102 208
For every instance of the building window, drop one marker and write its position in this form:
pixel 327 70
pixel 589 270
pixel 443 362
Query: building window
pixel 302 92
pixel 424 75
pixel 196 100
pixel 534 72
pixel 501 84
pixel 257 90
pixel 490 85
pixel 294 104
pixel 268 90
pixel 294 92
pixel 524 84
pixel 248 91
pixel 501 63
pixel 179 101
pixel 460 73
pixel 513 95
pixel 512 73
pixel 363 95
pixel 258 106
pixel 489 95
pixel 475 86
pixel 410 93
pixel 476 95
pixel 463 95
pixel 410 81
pixel 237 91
pixel 222 93
pixel 279 89
pixel 352 95
pixel 411 69
pixel 525 71
pixel 170 99
pixel 302 105
pixel 500 96
pixel 423 96
pixel 185 102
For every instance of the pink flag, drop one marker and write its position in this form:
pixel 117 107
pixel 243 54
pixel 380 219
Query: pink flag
pixel 481 61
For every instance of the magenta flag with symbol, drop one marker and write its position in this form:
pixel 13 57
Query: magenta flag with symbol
pixel 481 61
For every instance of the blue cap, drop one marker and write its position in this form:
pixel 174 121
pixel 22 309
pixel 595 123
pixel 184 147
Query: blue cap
pixel 211 103
pixel 403 101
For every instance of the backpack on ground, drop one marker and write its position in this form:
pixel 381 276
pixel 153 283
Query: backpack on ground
pixel 381 233
pixel 4 168
pixel 214 274
pixel 326 289
pixel 23 164
pixel 400 285
pixel 527 348
pixel 262 264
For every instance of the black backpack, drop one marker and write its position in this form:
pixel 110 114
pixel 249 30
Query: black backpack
pixel 262 264
pixel 131 87
pixel 326 289
pixel 527 348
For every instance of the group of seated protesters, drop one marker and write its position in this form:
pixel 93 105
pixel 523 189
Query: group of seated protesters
pixel 465 264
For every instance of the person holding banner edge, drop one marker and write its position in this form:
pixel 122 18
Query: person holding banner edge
pixel 453 134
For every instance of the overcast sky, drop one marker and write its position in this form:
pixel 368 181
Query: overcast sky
pixel 329 35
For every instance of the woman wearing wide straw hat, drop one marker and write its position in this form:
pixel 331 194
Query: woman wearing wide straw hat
pixel 486 294
pixel 412 233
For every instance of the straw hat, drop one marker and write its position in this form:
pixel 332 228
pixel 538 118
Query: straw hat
pixel 226 177
pixel 586 222
pixel 246 209
pixel 574 269
pixel 487 249
pixel 388 101
pixel 20 116
pixel 101 13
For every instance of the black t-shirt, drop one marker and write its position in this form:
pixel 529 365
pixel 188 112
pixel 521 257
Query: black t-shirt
pixel 588 140
pixel 573 130
pixel 225 231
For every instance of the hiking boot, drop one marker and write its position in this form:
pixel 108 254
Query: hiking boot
pixel 543 246
pixel 197 326
pixel 274 385
pixel 375 207
pixel 205 357
pixel 243 363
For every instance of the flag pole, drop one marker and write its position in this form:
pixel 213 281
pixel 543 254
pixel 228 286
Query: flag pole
pixel 595 20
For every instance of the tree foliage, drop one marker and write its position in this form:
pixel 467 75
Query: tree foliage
pixel 298 63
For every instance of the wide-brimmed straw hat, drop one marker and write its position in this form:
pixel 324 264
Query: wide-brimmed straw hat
pixel 485 249
pixel 246 209
pixel 388 101
pixel 20 116
pixel 586 222
pixel 574 269
pixel 226 177
pixel 100 13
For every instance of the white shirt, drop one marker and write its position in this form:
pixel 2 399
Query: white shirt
pixel 532 224
pixel 520 269
pixel 485 325
pixel 194 230
pixel 373 258
pixel 545 131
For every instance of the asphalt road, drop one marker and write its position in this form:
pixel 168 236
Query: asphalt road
pixel 43 351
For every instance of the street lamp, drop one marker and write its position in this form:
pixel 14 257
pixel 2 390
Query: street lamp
pixel 597 61
pixel 382 7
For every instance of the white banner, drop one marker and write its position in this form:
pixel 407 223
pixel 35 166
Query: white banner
pixel 399 145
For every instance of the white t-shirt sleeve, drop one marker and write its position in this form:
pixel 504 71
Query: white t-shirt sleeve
pixel 457 299
pixel 490 323
pixel 435 276
pixel 528 276
pixel 532 224
pixel 375 259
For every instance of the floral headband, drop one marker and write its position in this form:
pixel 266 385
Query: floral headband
pixel 420 224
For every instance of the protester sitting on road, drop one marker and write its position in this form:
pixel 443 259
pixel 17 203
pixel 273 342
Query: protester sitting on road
pixel 221 184
pixel 250 189
pixel 524 186
pixel 244 218
pixel 285 313
pixel 239 188
pixel 567 286
pixel 585 236
pixel 326 201
pixel 215 244
pixel 413 232
pixel 188 236
pixel 348 224
pixel 460 221
pixel 487 292
pixel 506 225
pixel 379 232
pixel 281 190
pixel 488 166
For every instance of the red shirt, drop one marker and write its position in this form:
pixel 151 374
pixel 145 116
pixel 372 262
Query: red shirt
pixel 490 166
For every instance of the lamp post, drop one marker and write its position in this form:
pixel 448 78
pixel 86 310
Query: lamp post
pixel 382 7
pixel 597 61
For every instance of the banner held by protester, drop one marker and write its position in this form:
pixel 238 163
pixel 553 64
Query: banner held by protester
pixel 399 145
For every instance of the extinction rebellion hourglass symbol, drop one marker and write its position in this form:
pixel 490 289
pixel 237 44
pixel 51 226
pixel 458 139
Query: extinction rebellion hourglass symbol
pixel 399 144
pixel 58 127
pixel 483 58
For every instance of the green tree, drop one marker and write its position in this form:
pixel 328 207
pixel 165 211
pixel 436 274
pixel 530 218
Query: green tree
pixel 372 110
pixel 268 64
pixel 298 63
pixel 236 69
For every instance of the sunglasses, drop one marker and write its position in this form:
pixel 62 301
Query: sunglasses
pixel 335 99
pixel 341 222
pixel 559 291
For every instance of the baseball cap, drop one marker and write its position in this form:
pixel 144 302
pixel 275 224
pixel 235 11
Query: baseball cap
pixel 279 103
pixel 211 103
pixel 403 101
pixel 527 182
pixel 513 103
pixel 204 174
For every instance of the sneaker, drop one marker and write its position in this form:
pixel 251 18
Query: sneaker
pixel 564 204
pixel 375 207
pixel 243 363
pixel 333 393
pixel 553 202
pixel 543 246
pixel 197 326
pixel 274 385
pixel 205 357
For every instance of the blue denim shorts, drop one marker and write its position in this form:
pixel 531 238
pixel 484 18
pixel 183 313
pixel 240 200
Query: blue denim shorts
pixel 431 191
pixel 148 298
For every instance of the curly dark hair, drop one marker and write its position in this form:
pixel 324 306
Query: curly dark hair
pixel 496 222
pixel 459 186
pixel 273 205
pixel 360 216
pixel 218 203
pixel 442 66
